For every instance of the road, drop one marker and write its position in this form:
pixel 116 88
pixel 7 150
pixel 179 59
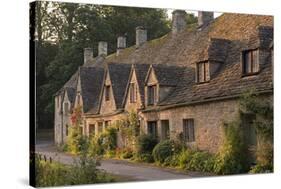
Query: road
pixel 122 168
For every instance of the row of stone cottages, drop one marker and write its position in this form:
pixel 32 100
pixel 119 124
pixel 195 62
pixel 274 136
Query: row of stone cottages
pixel 187 81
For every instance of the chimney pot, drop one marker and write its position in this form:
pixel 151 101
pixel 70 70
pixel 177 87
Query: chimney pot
pixel 204 18
pixel 141 36
pixel 88 55
pixel 102 48
pixel 121 44
pixel 178 21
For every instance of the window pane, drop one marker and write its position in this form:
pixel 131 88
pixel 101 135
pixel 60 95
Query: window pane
pixel 107 93
pixel 151 94
pixel 188 130
pixel 152 128
pixel 165 130
pixel 207 72
pixel 255 61
pixel 201 72
pixel 100 127
pixel 132 92
pixel 191 130
pixel 92 129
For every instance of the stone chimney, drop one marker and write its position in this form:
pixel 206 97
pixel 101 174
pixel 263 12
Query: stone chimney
pixel 121 44
pixel 141 36
pixel 178 21
pixel 204 18
pixel 88 55
pixel 102 48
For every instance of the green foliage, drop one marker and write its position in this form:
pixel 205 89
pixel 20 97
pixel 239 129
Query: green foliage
pixel 145 157
pixel 84 171
pixel 144 148
pixel 129 128
pixel 64 29
pixel 145 144
pixel 261 169
pixel 184 158
pixel 232 157
pixel 200 161
pixel 74 140
pixel 125 153
pixel 105 143
pixel 162 151
pixel 263 110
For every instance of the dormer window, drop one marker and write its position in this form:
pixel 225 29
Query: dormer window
pixel 151 94
pixel 203 74
pixel 132 93
pixel 250 62
pixel 107 92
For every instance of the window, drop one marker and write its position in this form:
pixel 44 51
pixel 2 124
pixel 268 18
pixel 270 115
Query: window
pixel 66 108
pixel 203 72
pixel 152 128
pixel 100 127
pixel 133 94
pixel 92 129
pixel 165 129
pixel 250 62
pixel 151 94
pixel 188 130
pixel 66 130
pixel 106 124
pixel 107 92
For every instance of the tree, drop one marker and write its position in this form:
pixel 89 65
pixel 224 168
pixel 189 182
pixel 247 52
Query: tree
pixel 64 29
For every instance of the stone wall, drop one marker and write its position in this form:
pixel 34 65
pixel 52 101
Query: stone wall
pixel 208 119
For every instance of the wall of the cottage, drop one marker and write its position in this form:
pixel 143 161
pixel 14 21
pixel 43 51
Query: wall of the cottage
pixel 66 117
pixel 58 120
pixel 96 120
pixel 208 119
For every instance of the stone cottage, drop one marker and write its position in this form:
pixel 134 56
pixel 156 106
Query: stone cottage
pixel 187 82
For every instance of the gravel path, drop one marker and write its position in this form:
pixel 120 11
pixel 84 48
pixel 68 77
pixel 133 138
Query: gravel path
pixel 134 171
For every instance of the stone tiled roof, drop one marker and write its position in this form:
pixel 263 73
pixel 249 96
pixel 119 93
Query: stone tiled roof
pixel 91 85
pixel 222 40
pixel 71 94
pixel 168 75
pixel 228 81
pixel 119 75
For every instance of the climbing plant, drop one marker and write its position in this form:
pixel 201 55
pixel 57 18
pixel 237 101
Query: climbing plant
pixel 262 108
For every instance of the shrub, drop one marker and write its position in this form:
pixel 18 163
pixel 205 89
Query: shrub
pixel 104 143
pixel 185 157
pixel 263 123
pixel 127 153
pixel 145 157
pixel 84 171
pixel 200 161
pixel 74 140
pixel 145 144
pixel 261 169
pixel 162 151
